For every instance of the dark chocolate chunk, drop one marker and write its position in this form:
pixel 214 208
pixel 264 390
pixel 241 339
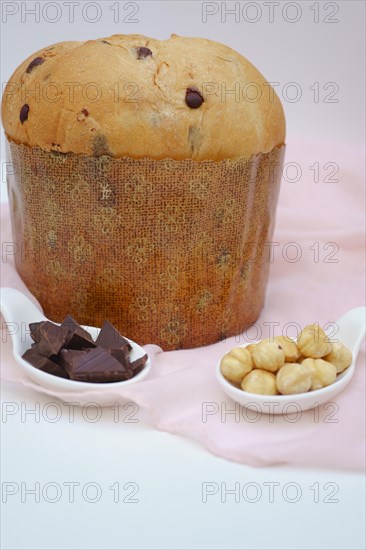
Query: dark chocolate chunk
pixel 77 341
pixel 138 364
pixel 76 337
pixel 125 349
pixel 93 365
pixel 37 61
pixel 85 112
pixel 122 356
pixel 35 330
pixel 48 336
pixel 143 52
pixel 23 116
pixel 110 338
pixel 193 98
pixel 46 364
pixel 118 346
pixel 74 327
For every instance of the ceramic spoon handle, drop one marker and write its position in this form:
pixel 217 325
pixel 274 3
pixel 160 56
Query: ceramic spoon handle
pixel 351 329
pixel 18 310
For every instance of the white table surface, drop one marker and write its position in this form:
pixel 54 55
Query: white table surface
pixel 167 474
pixel 170 470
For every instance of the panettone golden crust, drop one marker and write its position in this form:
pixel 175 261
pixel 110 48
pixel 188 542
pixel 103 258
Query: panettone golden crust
pixel 98 97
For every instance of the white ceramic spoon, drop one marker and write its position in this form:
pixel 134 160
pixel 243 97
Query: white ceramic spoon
pixel 18 312
pixel 350 331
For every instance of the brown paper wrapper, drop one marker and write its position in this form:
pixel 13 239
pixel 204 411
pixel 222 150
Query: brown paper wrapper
pixel 171 252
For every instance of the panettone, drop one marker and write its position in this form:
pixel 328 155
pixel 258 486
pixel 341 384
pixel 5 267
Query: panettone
pixel 137 104
pixel 146 176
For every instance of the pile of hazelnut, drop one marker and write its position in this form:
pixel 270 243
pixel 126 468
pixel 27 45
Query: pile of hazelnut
pixel 282 365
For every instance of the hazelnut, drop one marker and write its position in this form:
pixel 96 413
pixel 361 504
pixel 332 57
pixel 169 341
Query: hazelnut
pixel 250 347
pixel 340 357
pixel 313 342
pixel 260 381
pixel 322 372
pixel 293 378
pixel 268 355
pixel 289 347
pixel 236 364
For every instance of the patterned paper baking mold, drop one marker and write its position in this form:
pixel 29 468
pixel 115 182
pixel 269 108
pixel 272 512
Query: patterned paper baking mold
pixel 171 252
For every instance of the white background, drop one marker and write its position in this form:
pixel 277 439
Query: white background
pixel 169 470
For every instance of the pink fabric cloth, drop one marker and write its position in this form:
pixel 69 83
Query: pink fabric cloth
pixel 325 282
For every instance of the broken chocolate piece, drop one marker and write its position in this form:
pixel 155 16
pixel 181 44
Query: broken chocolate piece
pixel 49 338
pixel 143 52
pixel 110 338
pixel 193 98
pixel 34 330
pixel 36 61
pixel 122 356
pixel 23 116
pixel 76 337
pixel 93 365
pixel 77 342
pixel 138 364
pixel 46 364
